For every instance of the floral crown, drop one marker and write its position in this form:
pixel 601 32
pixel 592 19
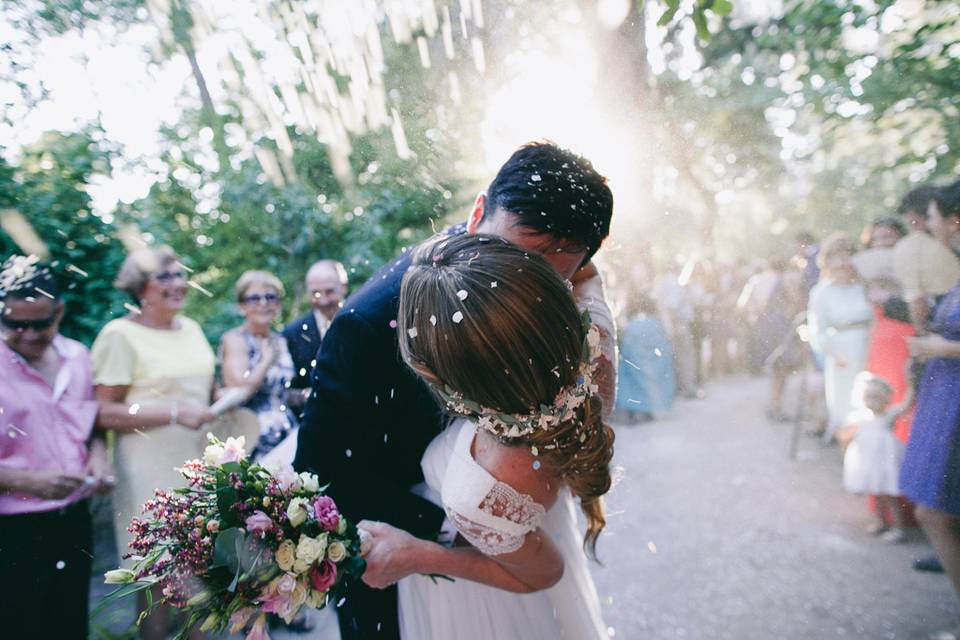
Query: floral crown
pixel 568 399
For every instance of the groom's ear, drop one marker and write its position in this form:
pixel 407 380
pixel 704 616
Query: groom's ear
pixel 476 213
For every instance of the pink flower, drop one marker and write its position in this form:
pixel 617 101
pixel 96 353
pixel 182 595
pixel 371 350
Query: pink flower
pixel 323 576
pixel 325 510
pixel 233 450
pixel 240 618
pixel 259 629
pixel 259 523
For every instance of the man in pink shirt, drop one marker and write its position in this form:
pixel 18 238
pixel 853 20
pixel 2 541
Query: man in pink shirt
pixel 50 460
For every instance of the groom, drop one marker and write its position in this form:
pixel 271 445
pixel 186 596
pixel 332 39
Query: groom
pixel 369 418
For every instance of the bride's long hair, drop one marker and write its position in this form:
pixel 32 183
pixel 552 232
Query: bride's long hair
pixel 497 324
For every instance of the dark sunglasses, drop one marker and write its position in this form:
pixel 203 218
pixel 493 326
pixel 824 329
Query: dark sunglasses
pixel 169 276
pixel 256 298
pixel 22 325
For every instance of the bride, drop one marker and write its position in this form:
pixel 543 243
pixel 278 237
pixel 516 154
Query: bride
pixel 496 334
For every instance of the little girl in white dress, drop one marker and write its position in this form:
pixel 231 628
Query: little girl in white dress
pixel 872 461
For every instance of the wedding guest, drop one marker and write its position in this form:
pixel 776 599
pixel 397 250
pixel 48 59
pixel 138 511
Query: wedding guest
pixel 645 382
pixel 254 357
pixel 764 301
pixel 931 468
pixel 326 284
pixel 879 238
pixel 840 318
pixel 926 268
pixel 153 370
pixel 943 218
pixel 51 459
pixel 369 419
pixel 676 305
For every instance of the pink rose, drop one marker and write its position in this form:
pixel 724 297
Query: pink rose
pixel 323 575
pixel 259 523
pixel 325 510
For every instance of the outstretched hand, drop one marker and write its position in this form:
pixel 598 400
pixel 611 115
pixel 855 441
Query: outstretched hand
pixel 389 552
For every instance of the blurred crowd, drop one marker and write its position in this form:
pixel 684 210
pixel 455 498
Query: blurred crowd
pixel 868 327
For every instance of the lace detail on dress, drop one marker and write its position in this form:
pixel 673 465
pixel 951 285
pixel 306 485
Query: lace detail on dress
pixel 508 517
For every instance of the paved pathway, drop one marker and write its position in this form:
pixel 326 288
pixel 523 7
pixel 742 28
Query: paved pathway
pixel 714 533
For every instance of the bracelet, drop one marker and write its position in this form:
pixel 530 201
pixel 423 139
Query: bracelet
pixel 173 414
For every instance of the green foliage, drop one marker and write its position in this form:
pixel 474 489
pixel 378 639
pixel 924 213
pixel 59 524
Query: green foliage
pixel 48 187
pixel 699 14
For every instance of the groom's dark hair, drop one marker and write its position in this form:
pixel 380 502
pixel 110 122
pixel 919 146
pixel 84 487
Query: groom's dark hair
pixel 555 191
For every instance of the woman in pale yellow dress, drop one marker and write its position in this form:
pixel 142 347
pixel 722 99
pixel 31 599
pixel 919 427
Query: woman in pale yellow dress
pixel 153 375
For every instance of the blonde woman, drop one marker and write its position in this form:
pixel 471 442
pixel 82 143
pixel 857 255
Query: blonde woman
pixel 254 357
pixel 153 374
pixel 840 317
pixel 497 336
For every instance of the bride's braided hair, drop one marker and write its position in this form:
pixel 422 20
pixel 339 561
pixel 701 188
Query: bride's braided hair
pixel 498 326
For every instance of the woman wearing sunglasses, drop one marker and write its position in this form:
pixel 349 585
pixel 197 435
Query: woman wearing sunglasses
pixel 254 357
pixel 153 373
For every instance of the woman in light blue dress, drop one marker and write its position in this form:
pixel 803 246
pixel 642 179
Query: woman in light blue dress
pixel 645 379
pixel 840 316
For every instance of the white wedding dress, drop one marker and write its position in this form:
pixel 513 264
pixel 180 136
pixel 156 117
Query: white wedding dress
pixel 495 518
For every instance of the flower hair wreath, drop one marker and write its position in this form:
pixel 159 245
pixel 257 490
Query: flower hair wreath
pixel 569 398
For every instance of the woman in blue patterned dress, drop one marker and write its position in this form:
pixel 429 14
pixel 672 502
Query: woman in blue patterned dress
pixel 255 357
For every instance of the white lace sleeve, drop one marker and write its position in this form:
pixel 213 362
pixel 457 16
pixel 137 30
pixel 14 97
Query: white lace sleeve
pixel 500 522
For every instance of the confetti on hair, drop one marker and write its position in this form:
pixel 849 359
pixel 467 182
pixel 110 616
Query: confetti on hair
pixel 412 332
pixel 462 294
pixel 458 317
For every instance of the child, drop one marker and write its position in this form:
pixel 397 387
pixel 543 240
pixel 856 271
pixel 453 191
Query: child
pixel 872 460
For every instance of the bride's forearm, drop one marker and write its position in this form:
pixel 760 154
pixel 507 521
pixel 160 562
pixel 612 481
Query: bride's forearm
pixel 542 568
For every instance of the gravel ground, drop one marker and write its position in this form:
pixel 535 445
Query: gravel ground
pixel 713 532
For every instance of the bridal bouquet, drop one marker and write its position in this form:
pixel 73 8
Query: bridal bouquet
pixel 239 541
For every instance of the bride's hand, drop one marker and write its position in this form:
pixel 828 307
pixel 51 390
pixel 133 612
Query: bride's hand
pixel 388 552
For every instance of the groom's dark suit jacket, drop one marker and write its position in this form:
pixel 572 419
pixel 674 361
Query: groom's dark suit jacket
pixel 303 341
pixel 366 426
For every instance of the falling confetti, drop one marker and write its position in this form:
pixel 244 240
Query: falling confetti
pixel 652 547
pixel 134 409
pixel 536 465
pixel 60 565
pixel 393 325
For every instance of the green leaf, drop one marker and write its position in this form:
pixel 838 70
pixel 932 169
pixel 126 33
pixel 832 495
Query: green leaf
pixel 700 20
pixel 722 7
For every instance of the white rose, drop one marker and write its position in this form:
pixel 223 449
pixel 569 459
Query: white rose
pixel 310 549
pixel 211 455
pixel 301 566
pixel 311 483
pixel 286 554
pixel 336 551
pixel 297 511
pixel 119 576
